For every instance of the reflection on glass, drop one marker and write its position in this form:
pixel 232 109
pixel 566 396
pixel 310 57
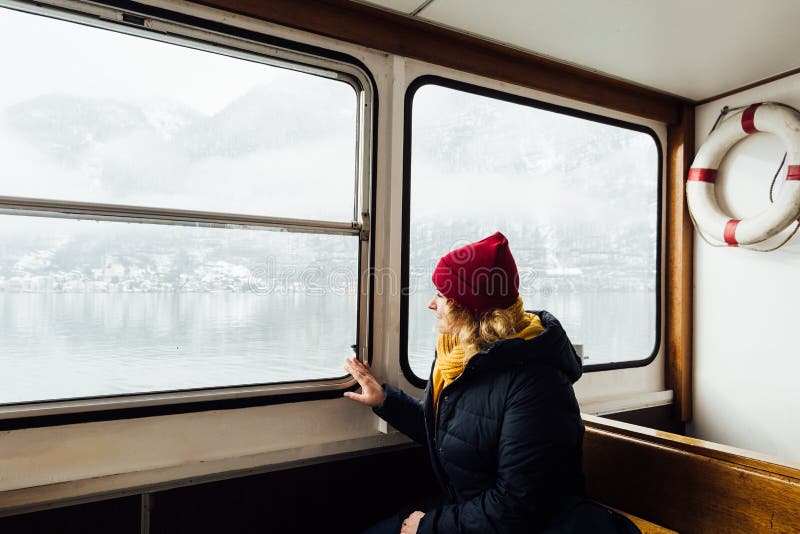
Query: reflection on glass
pixel 113 118
pixel 577 200
pixel 96 308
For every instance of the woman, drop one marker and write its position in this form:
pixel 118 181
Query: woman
pixel 499 416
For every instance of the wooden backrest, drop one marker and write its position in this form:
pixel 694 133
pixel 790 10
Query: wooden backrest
pixel 686 484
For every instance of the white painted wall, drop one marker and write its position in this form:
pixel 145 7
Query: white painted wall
pixel 746 340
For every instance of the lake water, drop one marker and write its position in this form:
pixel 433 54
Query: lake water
pixel 61 345
pixel 78 345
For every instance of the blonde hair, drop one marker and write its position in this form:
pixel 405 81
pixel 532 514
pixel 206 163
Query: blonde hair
pixel 477 333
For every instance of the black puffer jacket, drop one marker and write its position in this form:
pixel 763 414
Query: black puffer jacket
pixel 507 443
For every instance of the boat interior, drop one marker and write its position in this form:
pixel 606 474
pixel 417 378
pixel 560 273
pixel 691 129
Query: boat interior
pixel 689 343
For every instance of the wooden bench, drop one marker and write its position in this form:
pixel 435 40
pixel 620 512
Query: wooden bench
pixel 688 485
pixel 646 526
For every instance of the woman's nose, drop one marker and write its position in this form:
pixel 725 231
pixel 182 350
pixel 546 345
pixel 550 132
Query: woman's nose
pixel 432 304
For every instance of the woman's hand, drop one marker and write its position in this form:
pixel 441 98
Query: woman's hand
pixel 411 523
pixel 371 392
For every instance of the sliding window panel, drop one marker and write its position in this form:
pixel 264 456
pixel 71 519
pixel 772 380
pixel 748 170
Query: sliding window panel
pixel 93 115
pixel 92 308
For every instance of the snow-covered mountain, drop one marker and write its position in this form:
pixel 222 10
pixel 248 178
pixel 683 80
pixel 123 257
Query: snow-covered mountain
pixel 113 144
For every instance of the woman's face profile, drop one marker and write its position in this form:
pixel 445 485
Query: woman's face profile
pixel 439 306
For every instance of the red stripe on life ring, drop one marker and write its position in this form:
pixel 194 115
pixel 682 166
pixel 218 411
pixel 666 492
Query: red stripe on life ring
pixel 730 232
pixel 793 172
pixel 703 175
pixel 748 117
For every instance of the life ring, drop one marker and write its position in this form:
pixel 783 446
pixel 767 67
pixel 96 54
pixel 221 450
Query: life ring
pixel 710 220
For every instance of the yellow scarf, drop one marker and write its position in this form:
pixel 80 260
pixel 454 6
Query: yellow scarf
pixel 451 358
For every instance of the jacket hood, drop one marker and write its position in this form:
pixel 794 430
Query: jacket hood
pixel 552 347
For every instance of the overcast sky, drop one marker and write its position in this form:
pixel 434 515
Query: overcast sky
pixel 52 55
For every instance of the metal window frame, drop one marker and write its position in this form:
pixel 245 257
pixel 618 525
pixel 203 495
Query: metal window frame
pixel 480 90
pixel 201 34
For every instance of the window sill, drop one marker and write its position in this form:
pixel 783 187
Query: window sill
pixel 620 403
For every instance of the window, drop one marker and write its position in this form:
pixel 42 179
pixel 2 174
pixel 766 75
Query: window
pixel 180 213
pixel 576 195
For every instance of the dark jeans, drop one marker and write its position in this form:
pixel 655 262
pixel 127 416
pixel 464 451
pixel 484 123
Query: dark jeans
pixel 393 523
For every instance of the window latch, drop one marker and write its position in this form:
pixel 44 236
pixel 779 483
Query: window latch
pixel 363 226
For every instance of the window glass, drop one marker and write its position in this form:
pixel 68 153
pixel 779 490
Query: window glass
pixel 108 302
pixel 93 308
pixel 113 118
pixel 577 199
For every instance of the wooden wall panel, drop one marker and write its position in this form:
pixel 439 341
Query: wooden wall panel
pixel 338 496
pixel 343 496
pixel 679 253
pixel 655 417
pixel 120 516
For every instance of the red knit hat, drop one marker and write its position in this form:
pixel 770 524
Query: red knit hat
pixel 480 277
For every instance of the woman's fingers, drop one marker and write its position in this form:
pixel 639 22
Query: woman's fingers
pixel 359 397
pixel 359 371
pixel 354 396
pixel 350 368
pixel 361 374
pixel 371 391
